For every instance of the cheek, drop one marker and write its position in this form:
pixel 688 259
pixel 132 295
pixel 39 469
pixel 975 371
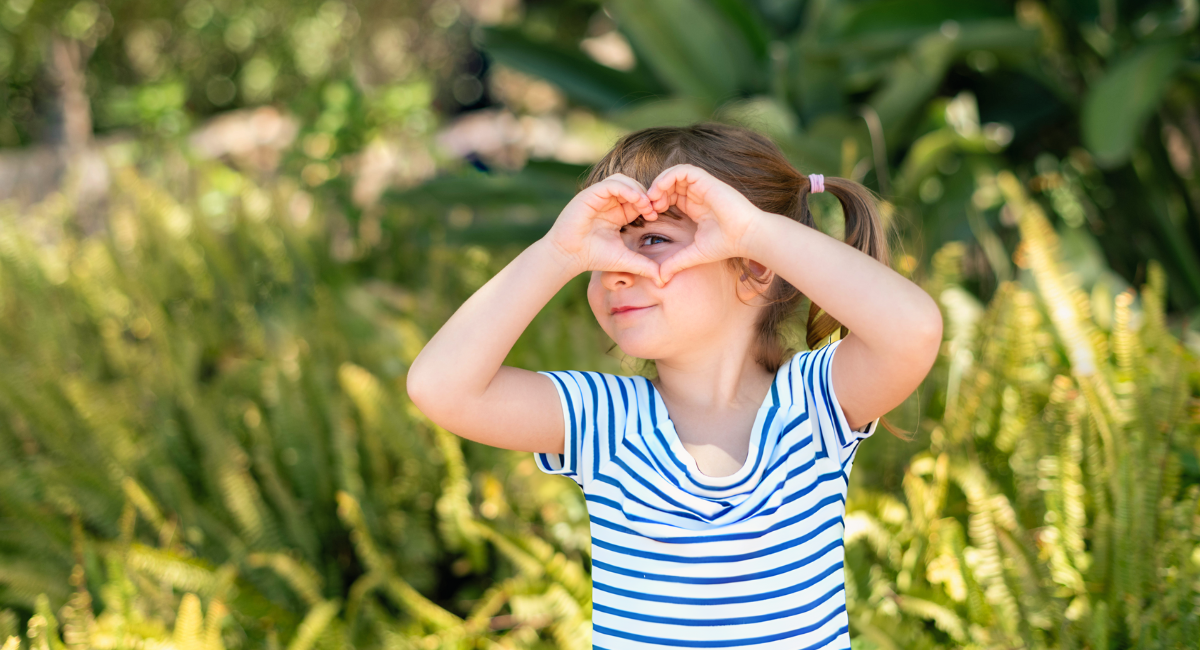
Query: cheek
pixel 595 294
pixel 704 294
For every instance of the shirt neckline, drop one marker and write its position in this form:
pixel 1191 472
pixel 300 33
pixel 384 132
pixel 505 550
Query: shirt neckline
pixel 755 455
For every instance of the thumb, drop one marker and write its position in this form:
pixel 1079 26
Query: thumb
pixel 684 259
pixel 641 265
pixel 644 266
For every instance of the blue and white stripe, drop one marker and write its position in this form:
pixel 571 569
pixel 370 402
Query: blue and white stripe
pixel 685 560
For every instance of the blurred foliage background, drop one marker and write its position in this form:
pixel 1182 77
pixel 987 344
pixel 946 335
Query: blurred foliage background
pixel 229 226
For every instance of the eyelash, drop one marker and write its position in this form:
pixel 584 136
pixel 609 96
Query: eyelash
pixel 648 236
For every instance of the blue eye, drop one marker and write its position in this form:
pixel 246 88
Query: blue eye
pixel 647 240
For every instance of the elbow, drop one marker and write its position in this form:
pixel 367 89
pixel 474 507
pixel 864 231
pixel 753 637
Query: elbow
pixel 933 328
pixel 930 330
pixel 421 388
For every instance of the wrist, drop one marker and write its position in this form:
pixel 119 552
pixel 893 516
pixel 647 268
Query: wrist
pixel 562 263
pixel 759 233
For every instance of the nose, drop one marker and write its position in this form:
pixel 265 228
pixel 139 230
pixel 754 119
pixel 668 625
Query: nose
pixel 613 280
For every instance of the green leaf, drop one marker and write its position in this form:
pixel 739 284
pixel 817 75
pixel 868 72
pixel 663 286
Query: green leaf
pixel 912 82
pixel 540 182
pixel 892 16
pixel 817 79
pixel 749 23
pixel 579 77
pixel 671 111
pixel 1116 108
pixel 690 47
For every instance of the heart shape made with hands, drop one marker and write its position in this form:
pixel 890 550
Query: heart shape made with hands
pixel 722 214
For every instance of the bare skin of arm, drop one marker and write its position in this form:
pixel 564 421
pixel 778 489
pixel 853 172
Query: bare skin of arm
pixel 895 327
pixel 458 379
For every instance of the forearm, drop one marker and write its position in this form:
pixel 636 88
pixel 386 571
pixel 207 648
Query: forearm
pixel 853 287
pixel 466 353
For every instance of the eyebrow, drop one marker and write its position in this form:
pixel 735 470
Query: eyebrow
pixel 640 222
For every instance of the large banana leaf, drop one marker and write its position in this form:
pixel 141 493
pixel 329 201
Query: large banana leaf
pixel 1117 107
pixel 582 79
pixel 691 48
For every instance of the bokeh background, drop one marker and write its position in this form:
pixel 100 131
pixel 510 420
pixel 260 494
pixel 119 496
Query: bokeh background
pixel 228 226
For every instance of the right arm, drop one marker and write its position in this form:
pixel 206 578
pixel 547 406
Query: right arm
pixel 458 379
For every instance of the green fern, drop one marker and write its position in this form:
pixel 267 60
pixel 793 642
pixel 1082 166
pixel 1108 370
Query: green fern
pixel 222 411
pixel 1063 445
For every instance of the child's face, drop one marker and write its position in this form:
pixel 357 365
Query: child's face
pixel 697 311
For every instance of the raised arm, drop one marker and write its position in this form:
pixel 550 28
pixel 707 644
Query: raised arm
pixel 458 381
pixel 895 327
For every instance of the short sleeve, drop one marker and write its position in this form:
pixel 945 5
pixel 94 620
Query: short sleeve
pixel 813 369
pixel 585 405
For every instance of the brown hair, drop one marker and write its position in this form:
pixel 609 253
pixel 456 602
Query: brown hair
pixel 755 166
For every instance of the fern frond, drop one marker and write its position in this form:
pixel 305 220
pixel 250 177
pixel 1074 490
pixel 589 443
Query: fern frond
pixel 43 627
pixel 78 618
pixel 982 529
pixel 314 623
pixel 879 637
pixel 189 633
pixel 862 526
pixel 364 390
pixel 944 618
pixel 217 612
pixel 241 496
pixel 455 514
pixel 185 574
pixel 301 577
pixel 9 625
pixel 419 606
pixel 1058 290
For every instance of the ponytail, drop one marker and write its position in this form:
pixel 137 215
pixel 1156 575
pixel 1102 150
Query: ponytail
pixel 864 231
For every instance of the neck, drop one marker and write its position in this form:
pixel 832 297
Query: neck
pixel 730 378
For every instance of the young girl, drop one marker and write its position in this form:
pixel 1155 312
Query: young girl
pixel 716 492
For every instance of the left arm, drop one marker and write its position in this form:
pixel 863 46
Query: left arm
pixel 895 327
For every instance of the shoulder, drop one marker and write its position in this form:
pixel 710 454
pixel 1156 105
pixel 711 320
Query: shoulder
pixel 807 371
pixel 812 362
pixel 590 377
pixel 805 361
pixel 596 385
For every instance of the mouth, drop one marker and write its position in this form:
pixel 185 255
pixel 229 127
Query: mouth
pixel 616 311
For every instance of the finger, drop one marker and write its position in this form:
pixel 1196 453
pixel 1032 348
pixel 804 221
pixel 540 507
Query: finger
pixel 666 178
pixel 670 178
pixel 676 185
pixel 630 180
pixel 631 193
pixel 631 212
pixel 662 189
pixel 684 259
pixel 643 266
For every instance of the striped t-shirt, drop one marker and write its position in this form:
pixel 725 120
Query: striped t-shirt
pixel 684 560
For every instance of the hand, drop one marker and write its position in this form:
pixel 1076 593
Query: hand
pixel 722 214
pixel 588 230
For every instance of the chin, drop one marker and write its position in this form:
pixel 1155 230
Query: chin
pixel 640 347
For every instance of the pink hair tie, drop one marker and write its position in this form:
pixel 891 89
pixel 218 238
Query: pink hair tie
pixel 817 183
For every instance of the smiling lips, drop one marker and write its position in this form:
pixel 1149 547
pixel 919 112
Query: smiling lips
pixel 628 309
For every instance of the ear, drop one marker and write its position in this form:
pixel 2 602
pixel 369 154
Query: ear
pixel 756 283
